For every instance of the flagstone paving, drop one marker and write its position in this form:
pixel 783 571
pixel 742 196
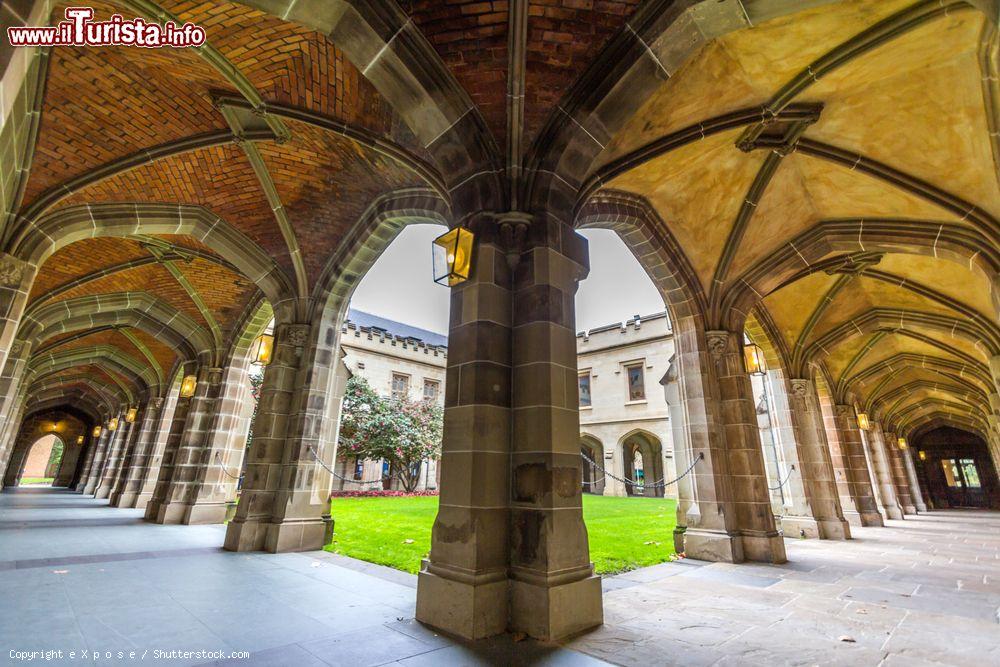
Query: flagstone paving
pixel 79 575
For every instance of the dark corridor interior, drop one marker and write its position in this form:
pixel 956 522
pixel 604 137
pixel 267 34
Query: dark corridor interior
pixel 956 470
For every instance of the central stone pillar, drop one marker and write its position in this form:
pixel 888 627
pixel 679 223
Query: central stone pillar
pixel 856 466
pixel 815 462
pixel 554 592
pixel 751 500
pixel 509 547
pixel 883 472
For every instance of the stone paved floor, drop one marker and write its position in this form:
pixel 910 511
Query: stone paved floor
pixel 76 574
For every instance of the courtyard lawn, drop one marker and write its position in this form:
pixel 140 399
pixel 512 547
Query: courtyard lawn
pixel 625 533
pixel 37 480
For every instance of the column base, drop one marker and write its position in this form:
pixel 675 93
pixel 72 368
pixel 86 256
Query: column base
pixel 103 491
pixel 893 513
pixel 909 509
pixel 834 529
pixel 554 612
pixel 802 527
pixel 921 507
pixel 142 500
pixel 853 518
pixel 165 513
pixel 89 489
pixel 763 547
pixel 247 535
pixel 204 513
pixel 463 609
pixel 289 535
pixel 679 532
pixel 124 499
pixel 711 545
pixel 871 519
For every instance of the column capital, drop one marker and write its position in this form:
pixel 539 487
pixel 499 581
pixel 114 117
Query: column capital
pixel 844 411
pixel 718 343
pixel 12 271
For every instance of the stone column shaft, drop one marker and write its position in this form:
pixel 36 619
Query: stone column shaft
pixel 751 499
pixel 156 505
pixel 97 462
pixel 128 486
pixel 815 463
pixel 898 470
pixel 856 467
pixel 883 472
pixel 911 477
pixel 112 464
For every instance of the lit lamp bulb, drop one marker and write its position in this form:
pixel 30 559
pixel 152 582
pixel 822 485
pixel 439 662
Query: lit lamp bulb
pixel 79 439
pixel 113 423
pixel 902 443
pixel 97 431
pixel 262 350
pixel 922 454
pixel 131 415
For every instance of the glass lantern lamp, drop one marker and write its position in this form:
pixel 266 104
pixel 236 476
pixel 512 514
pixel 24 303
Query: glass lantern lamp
pixel 452 255
pixel 753 359
pixel 188 385
pixel 97 431
pixel 262 349
pixel 901 442
pixel 863 423
pixel 113 423
pixel 131 415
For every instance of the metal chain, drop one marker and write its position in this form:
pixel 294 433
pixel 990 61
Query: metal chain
pixel 791 469
pixel 653 485
pixel 222 466
pixel 346 479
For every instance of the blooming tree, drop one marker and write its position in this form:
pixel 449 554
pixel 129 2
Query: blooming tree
pixel 398 430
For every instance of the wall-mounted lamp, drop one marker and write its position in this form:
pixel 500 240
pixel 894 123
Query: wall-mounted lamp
pixel 753 359
pixel 452 255
pixel 113 423
pixel 97 431
pixel 863 422
pixel 262 350
pixel 922 454
pixel 188 385
pixel 131 415
pixel 79 439
pixel 902 443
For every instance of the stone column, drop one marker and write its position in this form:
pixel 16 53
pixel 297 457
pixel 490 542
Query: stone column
pixel 554 592
pixel 463 584
pixel 97 463
pixel 815 462
pixel 856 467
pixel 192 455
pixel 911 477
pixel 149 472
pixel 112 464
pixel 16 278
pixel 285 504
pixel 759 537
pixel 883 473
pixel 683 456
pixel 797 519
pixel 157 498
pixel 898 470
pixel 133 470
pixel 88 462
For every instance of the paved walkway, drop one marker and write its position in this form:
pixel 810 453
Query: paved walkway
pixel 78 575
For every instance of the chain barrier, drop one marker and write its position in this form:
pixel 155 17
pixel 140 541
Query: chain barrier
pixel 791 469
pixel 653 485
pixel 347 479
pixel 222 466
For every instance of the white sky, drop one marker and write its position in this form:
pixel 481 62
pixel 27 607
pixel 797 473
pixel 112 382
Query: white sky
pixel 400 287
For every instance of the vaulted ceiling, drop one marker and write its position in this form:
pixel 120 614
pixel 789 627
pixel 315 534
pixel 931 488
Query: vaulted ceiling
pixel 827 169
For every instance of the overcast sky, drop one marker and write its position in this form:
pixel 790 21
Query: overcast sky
pixel 400 286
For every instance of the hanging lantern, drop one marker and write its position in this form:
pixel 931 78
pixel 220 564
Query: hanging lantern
pixel 453 256
pixel 262 350
pixel 79 439
pixel 188 385
pixel 753 359
pixel 131 415
pixel 901 442
pixel 97 431
pixel 863 422
pixel 113 423
pixel 922 454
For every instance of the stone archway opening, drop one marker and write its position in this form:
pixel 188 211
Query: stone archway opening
pixel 956 470
pixel 642 461
pixel 592 477
pixel 41 465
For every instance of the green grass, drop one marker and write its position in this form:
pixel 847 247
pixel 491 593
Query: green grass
pixel 37 480
pixel 625 533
